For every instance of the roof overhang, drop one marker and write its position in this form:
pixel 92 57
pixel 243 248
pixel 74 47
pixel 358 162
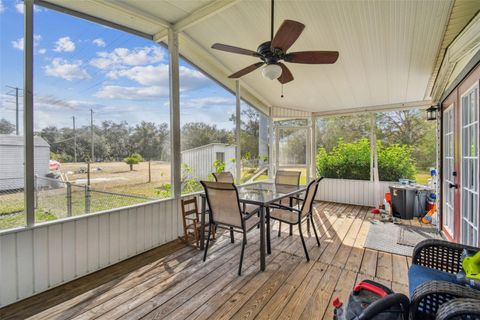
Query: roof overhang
pixel 390 51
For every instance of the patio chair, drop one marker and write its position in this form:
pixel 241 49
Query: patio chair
pixel 288 178
pixel 225 212
pixel 294 216
pixel 226 177
pixel 432 282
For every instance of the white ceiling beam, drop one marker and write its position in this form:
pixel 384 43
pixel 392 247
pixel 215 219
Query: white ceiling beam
pixel 134 12
pixel 196 17
pixel 378 108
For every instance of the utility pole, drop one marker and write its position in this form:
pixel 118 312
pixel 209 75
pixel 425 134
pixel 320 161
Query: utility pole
pixel 74 141
pixel 16 95
pixel 91 130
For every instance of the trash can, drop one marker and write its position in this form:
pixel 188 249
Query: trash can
pixel 403 201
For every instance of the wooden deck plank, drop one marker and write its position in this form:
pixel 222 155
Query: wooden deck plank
pixel 172 282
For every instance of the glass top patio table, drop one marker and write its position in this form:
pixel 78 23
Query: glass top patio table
pixel 262 194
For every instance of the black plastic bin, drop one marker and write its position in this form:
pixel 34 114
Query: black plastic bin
pixel 403 201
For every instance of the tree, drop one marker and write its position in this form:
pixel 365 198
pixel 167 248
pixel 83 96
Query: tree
pixel 197 134
pixel 149 139
pixel 249 131
pixel 134 158
pixel 6 127
pixel 409 127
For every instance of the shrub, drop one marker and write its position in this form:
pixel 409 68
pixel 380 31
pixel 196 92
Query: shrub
pixel 352 161
pixel 134 158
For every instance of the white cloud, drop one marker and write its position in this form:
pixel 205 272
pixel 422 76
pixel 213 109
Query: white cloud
pixel 64 44
pixel 18 44
pixel 208 102
pixel 42 51
pixel 99 42
pixel 123 57
pixel 21 8
pixel 2 6
pixel 132 93
pixel 61 68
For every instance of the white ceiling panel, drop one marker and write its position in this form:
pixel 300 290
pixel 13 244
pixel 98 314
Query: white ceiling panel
pixel 387 49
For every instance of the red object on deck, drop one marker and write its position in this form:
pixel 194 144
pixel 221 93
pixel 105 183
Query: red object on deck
pixel 375 211
pixel 337 303
pixel 388 197
pixel 369 287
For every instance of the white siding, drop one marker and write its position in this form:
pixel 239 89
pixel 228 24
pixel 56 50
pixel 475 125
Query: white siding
pixel 11 161
pixel 201 159
pixel 358 192
pixel 47 255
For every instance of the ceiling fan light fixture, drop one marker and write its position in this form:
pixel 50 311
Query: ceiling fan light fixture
pixel 272 71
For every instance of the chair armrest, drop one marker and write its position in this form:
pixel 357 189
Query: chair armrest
pixel 384 304
pixel 281 206
pixel 440 254
pixel 430 296
pixel 459 309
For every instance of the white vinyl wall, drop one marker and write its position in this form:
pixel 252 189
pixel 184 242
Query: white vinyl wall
pixel 358 192
pixel 36 259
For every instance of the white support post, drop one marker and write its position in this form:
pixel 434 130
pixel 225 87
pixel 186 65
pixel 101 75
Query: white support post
pixel 313 172
pixel 308 156
pixel 238 154
pixel 373 157
pixel 29 169
pixel 271 144
pixel 174 78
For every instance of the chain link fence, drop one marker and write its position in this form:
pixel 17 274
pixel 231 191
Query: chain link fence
pixel 55 199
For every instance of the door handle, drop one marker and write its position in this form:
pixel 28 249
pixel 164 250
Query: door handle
pixel 451 185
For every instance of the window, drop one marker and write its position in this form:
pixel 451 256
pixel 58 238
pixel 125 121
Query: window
pixel 207 116
pixel 343 147
pixel 101 105
pixel 12 212
pixel 253 144
pixel 220 156
pixel 407 145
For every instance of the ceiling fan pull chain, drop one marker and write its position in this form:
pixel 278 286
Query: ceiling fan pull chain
pixel 282 92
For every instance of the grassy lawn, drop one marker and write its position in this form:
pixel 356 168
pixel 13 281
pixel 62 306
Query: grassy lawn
pixel 422 176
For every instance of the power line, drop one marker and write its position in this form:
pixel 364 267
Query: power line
pixel 15 93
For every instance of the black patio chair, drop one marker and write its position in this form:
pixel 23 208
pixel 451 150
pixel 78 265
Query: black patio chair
pixel 225 212
pixel 294 216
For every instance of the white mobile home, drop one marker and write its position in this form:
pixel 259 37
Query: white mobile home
pixel 11 160
pixel 201 159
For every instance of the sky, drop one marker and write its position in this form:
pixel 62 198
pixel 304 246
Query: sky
pixel 80 65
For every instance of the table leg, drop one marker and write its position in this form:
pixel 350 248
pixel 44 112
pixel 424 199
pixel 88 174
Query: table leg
pixel 202 223
pixel 269 247
pixel 262 238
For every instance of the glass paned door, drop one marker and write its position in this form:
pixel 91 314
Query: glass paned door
pixel 448 169
pixel 292 152
pixel 469 167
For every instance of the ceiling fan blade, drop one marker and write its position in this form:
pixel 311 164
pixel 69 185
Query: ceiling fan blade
pixel 286 75
pixel 232 49
pixel 287 34
pixel 312 57
pixel 246 70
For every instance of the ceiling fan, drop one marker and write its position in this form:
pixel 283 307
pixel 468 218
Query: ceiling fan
pixel 275 50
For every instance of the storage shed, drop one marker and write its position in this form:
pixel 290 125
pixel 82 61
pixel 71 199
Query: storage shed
pixel 201 159
pixel 12 160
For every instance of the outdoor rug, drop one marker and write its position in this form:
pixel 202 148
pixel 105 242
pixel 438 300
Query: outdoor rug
pixel 396 238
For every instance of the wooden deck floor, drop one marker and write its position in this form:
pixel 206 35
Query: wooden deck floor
pixel 172 282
